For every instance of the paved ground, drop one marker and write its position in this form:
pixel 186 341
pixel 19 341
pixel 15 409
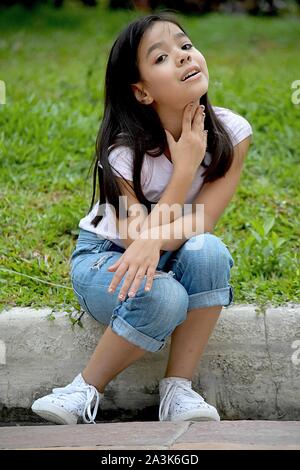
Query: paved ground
pixel 136 435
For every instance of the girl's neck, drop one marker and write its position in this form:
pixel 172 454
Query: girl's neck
pixel 171 119
pixel 167 153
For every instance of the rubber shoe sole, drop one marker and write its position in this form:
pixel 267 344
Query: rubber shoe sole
pixel 197 416
pixel 54 413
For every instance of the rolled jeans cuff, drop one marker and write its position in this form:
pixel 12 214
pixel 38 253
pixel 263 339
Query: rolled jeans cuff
pixel 211 298
pixel 124 329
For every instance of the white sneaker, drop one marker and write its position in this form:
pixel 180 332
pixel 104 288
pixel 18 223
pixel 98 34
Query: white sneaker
pixel 178 402
pixel 70 404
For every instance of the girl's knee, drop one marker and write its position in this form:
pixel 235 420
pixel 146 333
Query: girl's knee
pixel 174 304
pixel 207 250
pixel 163 307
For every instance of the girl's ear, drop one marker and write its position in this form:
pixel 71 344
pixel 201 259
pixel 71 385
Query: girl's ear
pixel 141 95
pixel 137 92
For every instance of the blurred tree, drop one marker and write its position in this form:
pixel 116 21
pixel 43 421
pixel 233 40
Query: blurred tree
pixel 114 4
pixel 144 5
pixel 32 3
pixel 254 7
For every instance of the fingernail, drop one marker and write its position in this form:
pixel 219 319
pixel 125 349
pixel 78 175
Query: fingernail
pixel 110 290
pixel 131 294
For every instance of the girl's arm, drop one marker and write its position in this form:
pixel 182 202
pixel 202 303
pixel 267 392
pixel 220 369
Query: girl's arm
pixel 167 209
pixel 214 197
pixel 187 154
pixel 170 205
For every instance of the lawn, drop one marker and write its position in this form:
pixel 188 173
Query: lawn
pixel 53 64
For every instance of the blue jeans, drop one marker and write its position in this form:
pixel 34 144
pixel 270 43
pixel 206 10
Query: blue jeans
pixel 194 276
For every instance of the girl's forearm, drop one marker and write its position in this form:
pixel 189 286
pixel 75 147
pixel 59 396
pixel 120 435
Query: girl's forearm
pixel 173 235
pixel 170 205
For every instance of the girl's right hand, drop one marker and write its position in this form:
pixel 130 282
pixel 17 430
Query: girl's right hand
pixel 189 151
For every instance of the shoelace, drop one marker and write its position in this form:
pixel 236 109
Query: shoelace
pixel 169 393
pixel 91 392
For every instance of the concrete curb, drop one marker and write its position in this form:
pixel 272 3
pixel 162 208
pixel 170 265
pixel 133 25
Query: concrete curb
pixel 250 368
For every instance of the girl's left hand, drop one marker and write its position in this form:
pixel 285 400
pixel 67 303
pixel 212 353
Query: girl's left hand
pixel 140 258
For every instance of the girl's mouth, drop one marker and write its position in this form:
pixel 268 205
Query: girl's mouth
pixel 195 76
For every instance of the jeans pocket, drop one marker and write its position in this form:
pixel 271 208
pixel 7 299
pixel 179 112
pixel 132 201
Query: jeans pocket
pixel 82 249
pixel 104 256
pixel 85 248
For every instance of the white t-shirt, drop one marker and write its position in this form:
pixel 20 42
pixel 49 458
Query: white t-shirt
pixel 156 173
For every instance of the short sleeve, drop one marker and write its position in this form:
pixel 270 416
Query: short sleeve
pixel 121 161
pixel 241 129
pixel 238 127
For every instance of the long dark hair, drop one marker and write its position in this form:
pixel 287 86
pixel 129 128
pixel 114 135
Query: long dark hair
pixel 129 123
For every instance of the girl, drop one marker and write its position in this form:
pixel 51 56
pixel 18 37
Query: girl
pixel 133 273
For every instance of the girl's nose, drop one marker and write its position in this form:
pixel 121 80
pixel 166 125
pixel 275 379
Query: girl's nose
pixel 184 57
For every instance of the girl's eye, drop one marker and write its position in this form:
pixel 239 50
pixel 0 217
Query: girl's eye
pixel 158 59
pixel 191 45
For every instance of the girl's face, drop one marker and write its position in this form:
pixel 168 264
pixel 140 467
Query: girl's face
pixel 165 55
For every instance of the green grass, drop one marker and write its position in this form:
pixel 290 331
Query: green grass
pixel 53 64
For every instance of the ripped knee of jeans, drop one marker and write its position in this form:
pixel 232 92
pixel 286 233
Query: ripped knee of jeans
pixel 163 274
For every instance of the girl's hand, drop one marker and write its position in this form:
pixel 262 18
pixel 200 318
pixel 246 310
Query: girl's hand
pixel 189 150
pixel 140 258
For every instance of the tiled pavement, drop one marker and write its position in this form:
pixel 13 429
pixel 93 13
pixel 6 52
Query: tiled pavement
pixel 155 435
